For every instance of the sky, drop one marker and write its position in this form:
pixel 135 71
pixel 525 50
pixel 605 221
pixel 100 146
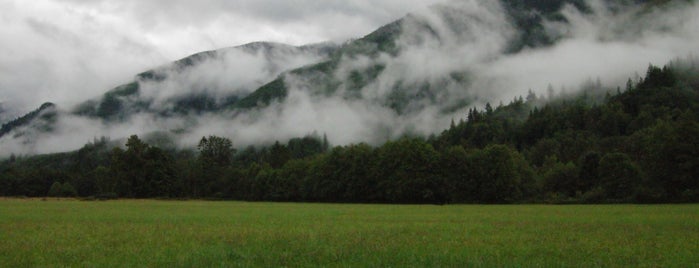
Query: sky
pixel 66 51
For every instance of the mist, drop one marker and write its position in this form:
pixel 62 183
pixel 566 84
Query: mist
pixel 64 51
pixel 469 38
pixel 229 72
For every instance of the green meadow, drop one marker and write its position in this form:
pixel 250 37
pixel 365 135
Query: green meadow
pixel 147 233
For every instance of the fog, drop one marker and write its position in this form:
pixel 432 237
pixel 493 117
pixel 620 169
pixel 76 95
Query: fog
pixel 233 71
pixel 66 50
pixel 468 37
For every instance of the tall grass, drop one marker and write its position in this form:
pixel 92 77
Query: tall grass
pixel 137 233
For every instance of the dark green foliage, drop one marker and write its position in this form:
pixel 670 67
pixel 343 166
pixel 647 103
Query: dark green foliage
pixel 589 171
pixel 460 182
pixel 216 151
pixel 62 190
pixel 384 39
pixel 619 176
pixel 407 170
pixel 209 177
pixel 199 103
pixel 104 181
pixel 639 145
pixel 501 174
pixel 529 16
pixel 46 113
pixel 142 170
pixel 358 79
pixel 68 190
pixel 545 6
pixel 111 104
pixel 558 180
pixel 670 153
pixel 323 74
pixel 345 174
pixel 279 154
pixel 272 91
pixel 307 146
pixel 55 189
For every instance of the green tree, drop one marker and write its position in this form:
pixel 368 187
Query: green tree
pixel 216 150
pixel 136 146
pixel 142 170
pixel 502 174
pixel 345 174
pixel 279 154
pixel 588 177
pixel 159 173
pixel 67 189
pixel 106 183
pixel 670 156
pixel 407 171
pixel 215 157
pixel 559 179
pixel 619 177
pixel 543 149
pixel 55 190
pixel 305 147
pixel 287 186
pixel 613 121
pixel 454 168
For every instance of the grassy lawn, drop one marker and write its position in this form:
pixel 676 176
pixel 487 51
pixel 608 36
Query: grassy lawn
pixel 137 233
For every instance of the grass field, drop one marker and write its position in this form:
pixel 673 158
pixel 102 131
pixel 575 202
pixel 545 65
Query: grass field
pixel 136 233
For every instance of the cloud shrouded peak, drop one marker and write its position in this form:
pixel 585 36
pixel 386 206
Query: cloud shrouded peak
pixel 412 76
pixel 64 50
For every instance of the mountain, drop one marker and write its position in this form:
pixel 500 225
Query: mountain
pixel 449 30
pixel 203 82
pixel 319 70
pixel 355 67
pixel 39 120
pixel 410 76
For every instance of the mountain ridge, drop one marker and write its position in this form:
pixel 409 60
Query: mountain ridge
pixel 350 71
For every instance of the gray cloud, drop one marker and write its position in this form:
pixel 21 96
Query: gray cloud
pixel 605 45
pixel 611 46
pixel 231 71
pixel 66 50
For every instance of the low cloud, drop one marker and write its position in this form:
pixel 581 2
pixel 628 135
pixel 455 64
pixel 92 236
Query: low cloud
pixel 463 56
pixel 610 46
pixel 64 50
pixel 228 72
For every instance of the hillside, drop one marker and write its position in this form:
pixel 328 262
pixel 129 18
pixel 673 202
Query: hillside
pixel 411 76
pixel 40 119
pixel 602 145
pixel 203 82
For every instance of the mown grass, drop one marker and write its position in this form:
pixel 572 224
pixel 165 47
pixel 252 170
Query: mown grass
pixel 137 233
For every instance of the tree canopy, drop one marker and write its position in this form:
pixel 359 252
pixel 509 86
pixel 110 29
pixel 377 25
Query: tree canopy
pixel 602 145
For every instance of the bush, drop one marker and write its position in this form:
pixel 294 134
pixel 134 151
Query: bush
pixel 55 190
pixel 68 190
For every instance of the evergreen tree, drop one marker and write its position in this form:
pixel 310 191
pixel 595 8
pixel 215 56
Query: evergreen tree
pixel 68 190
pixel 55 190
pixel 216 150
pixel 619 177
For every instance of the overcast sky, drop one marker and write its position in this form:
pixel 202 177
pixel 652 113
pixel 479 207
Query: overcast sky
pixel 65 51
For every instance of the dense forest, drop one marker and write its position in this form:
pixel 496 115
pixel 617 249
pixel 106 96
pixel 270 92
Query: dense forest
pixel 635 144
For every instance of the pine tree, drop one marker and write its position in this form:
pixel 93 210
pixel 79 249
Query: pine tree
pixel 55 190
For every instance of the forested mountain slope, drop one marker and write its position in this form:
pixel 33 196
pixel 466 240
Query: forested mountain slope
pixel 409 77
pixel 637 144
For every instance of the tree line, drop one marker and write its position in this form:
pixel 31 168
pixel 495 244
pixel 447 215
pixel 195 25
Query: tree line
pixel 639 144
